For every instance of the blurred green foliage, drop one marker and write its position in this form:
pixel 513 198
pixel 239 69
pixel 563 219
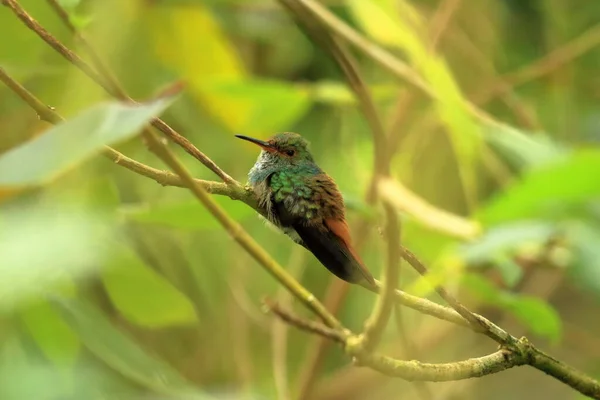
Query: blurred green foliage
pixel 112 286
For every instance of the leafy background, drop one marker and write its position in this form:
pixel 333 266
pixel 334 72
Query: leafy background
pixel 115 287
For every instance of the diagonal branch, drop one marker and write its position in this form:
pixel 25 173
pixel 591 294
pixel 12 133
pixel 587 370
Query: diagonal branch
pixel 164 178
pixel 112 88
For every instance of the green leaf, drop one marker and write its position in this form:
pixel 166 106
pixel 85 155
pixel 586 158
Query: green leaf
pixel 507 237
pixel 537 315
pixel 122 354
pixel 24 378
pixel 51 333
pixel 499 243
pixel 481 288
pixel 67 144
pixel 547 191
pixel 585 240
pixel 143 296
pixel 510 271
pixel 67 244
pixel 524 151
pixel 187 215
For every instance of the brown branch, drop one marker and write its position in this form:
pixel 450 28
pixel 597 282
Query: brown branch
pixel 408 370
pixel 304 324
pixel 523 353
pixel 476 322
pixel 165 178
pixel 384 305
pixel 111 88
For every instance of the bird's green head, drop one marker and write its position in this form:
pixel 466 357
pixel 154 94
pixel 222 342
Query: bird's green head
pixel 286 150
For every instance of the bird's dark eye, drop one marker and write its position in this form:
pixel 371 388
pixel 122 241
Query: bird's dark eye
pixel 290 152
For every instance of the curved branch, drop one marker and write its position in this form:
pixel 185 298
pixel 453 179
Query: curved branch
pixel 454 371
pixel 408 370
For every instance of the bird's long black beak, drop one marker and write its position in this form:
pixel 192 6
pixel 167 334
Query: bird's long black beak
pixel 261 143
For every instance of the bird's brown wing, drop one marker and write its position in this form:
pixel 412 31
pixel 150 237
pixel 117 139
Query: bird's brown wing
pixel 340 229
pixel 318 219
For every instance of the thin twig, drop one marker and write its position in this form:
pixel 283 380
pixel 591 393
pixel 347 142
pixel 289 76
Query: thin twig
pixel 101 67
pixel 408 370
pixel 304 324
pixel 476 322
pixel 385 302
pixel 164 178
pixel 110 88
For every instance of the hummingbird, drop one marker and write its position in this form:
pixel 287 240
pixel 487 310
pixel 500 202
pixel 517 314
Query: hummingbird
pixel 305 203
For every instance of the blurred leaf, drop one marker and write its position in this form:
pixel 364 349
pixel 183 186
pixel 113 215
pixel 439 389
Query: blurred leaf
pixel 398 24
pixel 338 93
pixel 505 238
pixel 524 151
pixel 65 145
pixel 256 106
pixel 24 377
pixel 189 214
pixel 123 354
pixel 537 315
pixel 51 333
pixel 585 241
pixel 404 200
pixel 143 296
pixel 547 190
pixel 510 271
pixel 190 41
pixel 482 288
pixel 43 246
pixel 332 92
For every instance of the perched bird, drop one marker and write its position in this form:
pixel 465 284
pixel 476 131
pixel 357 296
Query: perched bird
pixel 305 203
